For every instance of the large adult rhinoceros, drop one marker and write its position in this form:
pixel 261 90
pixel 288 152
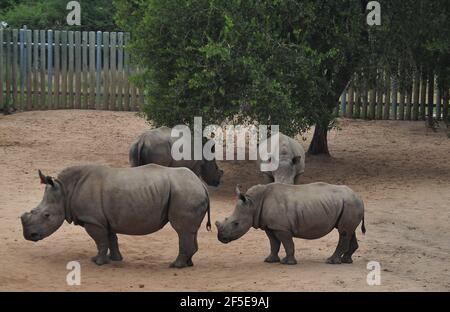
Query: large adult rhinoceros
pixel 306 211
pixel 134 201
pixel 290 159
pixel 155 146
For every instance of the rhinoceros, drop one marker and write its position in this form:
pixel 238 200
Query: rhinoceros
pixel 155 146
pixel 133 201
pixel 308 211
pixel 290 158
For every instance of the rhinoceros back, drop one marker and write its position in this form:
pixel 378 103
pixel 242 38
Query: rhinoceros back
pixel 135 201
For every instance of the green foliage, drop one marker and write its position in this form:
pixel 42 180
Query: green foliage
pixel 281 62
pixel 51 14
pixel 272 62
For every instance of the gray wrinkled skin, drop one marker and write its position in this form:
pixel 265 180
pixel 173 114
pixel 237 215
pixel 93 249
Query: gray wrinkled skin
pixel 154 147
pixel 306 211
pixel 133 201
pixel 291 160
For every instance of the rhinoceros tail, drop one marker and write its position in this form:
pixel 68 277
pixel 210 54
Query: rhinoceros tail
pixel 208 223
pixel 208 209
pixel 363 227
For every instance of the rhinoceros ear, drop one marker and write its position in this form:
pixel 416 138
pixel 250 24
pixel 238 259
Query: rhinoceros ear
pixel 45 179
pixel 42 177
pixel 239 193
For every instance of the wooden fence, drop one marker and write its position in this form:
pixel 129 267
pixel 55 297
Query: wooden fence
pixel 387 97
pixel 45 69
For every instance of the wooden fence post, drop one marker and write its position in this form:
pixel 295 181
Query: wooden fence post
pixel 98 73
pixel 119 77
pixel 64 56
pixel 92 85
pixel 106 70
pixel 77 69
pixel 57 71
pixel 36 73
pixel 50 69
pixel 113 71
pixel 85 71
pixel 71 69
pixel 15 50
pixel 126 59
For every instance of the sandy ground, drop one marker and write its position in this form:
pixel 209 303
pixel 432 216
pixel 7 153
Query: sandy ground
pixel 401 170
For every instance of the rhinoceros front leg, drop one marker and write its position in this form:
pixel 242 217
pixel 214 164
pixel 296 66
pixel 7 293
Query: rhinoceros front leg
pixel 114 252
pixel 187 248
pixel 100 236
pixel 274 248
pixel 288 244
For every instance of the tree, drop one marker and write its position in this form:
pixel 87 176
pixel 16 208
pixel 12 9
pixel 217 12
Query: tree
pixel 280 62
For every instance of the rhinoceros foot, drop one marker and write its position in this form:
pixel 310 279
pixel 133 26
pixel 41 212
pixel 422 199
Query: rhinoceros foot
pixel 289 260
pixel 272 259
pixel 100 260
pixel 115 256
pixel 180 263
pixel 334 260
pixel 345 259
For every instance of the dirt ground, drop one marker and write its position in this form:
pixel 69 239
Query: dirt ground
pixel 401 170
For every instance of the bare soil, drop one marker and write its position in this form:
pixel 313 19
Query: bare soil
pixel 401 170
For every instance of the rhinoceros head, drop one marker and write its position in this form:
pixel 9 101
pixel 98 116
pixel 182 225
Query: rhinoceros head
pixel 239 222
pixel 211 173
pixel 49 215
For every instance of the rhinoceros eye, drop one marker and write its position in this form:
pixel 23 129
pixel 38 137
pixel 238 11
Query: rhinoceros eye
pixel 235 223
pixel 47 215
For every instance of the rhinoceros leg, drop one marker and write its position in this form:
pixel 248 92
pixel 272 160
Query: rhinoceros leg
pixel 341 248
pixel 187 248
pixel 274 248
pixel 289 247
pixel 347 257
pixel 100 236
pixel 114 252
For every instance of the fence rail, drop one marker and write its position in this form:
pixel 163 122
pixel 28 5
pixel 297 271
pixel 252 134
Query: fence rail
pixel 45 69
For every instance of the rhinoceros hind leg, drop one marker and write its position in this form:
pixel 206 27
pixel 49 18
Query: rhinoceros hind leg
pixel 187 248
pixel 347 257
pixel 114 252
pixel 289 247
pixel 100 236
pixel 342 247
pixel 274 248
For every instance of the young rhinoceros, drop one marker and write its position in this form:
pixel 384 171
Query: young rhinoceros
pixel 306 211
pixel 134 201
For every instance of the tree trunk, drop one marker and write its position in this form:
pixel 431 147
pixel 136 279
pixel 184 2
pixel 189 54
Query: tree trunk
pixel 319 143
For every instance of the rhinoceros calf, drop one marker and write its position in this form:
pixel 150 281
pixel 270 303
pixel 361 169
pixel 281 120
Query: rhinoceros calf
pixel 155 147
pixel 290 158
pixel 306 211
pixel 134 201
